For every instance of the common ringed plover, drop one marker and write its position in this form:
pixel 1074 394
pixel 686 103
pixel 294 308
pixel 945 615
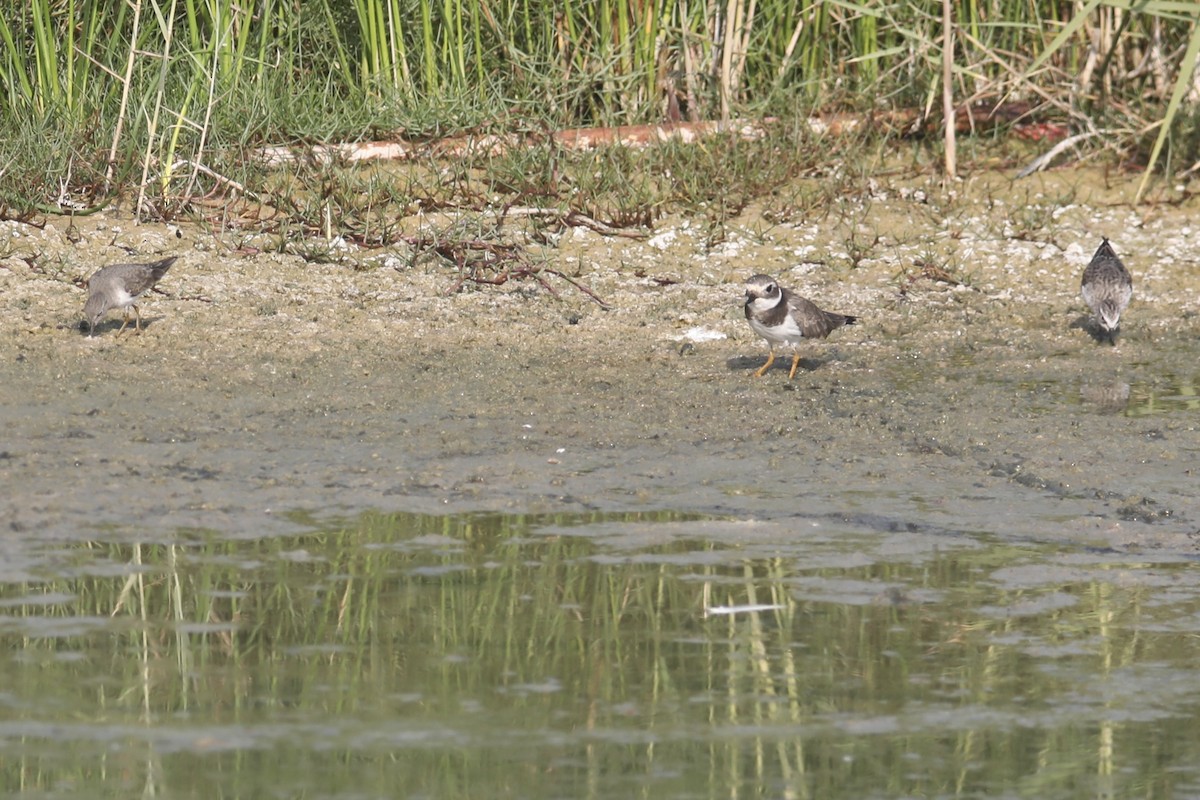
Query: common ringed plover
pixel 782 317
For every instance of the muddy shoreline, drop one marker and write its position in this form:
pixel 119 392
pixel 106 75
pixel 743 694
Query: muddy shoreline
pixel 265 386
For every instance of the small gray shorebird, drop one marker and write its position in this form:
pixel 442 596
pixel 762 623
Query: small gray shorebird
pixel 118 286
pixel 1107 287
pixel 783 317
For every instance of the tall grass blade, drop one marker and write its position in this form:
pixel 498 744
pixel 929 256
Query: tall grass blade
pixel 126 84
pixel 1183 82
pixel 948 89
pixel 1068 31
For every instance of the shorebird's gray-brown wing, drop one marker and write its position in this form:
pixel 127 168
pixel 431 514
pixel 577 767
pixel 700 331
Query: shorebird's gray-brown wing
pixel 1106 268
pixel 1108 298
pixel 138 278
pixel 1107 284
pixel 815 322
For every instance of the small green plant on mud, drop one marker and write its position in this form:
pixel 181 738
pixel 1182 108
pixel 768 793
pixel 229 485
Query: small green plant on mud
pixel 611 185
pixel 480 250
pixel 362 205
pixel 315 250
pixel 859 244
pixel 934 266
pixel 813 195
pixel 859 234
pixel 522 174
pixel 1035 219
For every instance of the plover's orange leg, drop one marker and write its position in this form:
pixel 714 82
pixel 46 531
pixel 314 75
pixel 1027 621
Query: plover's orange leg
pixel 795 363
pixel 138 314
pixel 763 369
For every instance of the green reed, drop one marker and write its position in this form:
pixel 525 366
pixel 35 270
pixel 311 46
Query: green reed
pixel 173 87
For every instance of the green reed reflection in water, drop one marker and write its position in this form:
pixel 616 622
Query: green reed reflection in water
pixel 504 656
pixel 1172 394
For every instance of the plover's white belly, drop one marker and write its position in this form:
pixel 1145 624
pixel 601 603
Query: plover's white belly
pixel 787 333
pixel 121 298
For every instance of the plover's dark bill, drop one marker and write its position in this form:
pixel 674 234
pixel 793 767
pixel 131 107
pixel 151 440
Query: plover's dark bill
pixel 783 317
pixel 1107 287
pixel 118 286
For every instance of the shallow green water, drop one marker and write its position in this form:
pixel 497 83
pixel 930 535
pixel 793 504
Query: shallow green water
pixel 596 656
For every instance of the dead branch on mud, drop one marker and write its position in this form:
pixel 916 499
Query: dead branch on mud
pixel 479 145
pixel 973 119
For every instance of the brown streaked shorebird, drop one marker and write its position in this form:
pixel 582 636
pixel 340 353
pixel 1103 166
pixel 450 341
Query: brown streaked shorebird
pixel 1107 287
pixel 118 286
pixel 785 318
